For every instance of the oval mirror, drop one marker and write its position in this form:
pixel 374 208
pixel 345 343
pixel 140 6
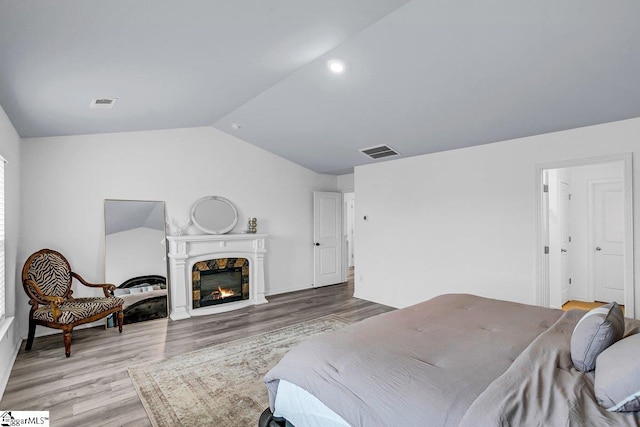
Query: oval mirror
pixel 214 215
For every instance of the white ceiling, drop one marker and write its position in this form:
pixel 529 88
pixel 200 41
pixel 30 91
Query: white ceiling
pixel 422 76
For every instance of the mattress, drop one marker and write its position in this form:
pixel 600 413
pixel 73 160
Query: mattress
pixel 301 408
pixel 131 299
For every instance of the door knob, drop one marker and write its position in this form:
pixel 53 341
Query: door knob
pixel 317 244
pixel 598 248
pixel 563 250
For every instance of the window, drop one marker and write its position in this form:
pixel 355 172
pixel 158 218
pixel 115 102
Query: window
pixel 2 281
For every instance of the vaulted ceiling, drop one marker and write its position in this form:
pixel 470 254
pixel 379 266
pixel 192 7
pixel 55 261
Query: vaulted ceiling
pixel 421 76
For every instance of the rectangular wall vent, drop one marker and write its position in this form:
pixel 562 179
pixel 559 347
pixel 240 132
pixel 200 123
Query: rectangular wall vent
pixel 102 103
pixel 379 151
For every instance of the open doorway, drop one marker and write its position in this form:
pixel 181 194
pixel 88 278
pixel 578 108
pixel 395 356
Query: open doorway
pixel 349 217
pixel 585 213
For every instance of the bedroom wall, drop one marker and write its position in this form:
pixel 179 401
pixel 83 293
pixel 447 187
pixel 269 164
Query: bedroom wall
pixel 66 179
pixel 9 336
pixel 346 183
pixel 464 220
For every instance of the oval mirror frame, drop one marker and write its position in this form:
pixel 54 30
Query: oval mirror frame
pixel 212 214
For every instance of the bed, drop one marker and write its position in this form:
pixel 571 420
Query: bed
pixel 145 298
pixel 453 360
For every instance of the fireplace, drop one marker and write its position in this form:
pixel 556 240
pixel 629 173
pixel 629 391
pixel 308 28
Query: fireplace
pixel 211 252
pixel 220 281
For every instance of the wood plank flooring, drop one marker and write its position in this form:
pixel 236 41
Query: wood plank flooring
pixel 583 305
pixel 92 387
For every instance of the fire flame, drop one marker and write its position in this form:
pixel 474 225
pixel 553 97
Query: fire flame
pixel 225 293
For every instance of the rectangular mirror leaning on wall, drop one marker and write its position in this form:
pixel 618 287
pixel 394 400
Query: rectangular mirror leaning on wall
pixel 136 257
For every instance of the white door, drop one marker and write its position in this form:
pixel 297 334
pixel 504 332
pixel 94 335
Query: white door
pixel 608 243
pixel 565 241
pixel 327 234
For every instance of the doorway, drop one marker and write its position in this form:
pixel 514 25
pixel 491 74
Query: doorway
pixel 585 232
pixel 349 232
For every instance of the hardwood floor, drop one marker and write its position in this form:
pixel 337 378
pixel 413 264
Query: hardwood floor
pixel 92 387
pixel 582 305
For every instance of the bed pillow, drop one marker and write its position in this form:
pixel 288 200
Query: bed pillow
pixel 140 285
pixel 617 383
pixel 119 292
pixel 596 331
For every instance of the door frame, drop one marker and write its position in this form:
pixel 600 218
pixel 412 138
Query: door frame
pixel 542 260
pixel 565 231
pixel 345 230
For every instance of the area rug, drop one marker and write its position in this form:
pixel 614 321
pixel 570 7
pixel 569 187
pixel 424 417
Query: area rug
pixel 222 384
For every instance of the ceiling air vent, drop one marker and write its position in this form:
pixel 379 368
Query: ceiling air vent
pixel 102 103
pixel 379 151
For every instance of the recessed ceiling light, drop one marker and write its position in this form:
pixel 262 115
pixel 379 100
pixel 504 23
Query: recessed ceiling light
pixel 235 126
pixel 336 66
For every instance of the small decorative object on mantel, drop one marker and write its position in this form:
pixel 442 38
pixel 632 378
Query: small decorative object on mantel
pixel 252 225
pixel 175 229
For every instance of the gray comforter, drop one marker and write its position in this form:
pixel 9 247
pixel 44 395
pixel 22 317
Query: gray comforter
pixel 542 388
pixel 453 360
pixel 422 365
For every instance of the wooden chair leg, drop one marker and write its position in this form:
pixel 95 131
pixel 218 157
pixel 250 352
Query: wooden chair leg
pixel 67 343
pixel 32 333
pixel 120 320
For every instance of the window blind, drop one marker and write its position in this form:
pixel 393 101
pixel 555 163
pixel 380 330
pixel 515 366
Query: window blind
pixel 2 269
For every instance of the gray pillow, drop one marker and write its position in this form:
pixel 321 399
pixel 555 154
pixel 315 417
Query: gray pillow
pixel 596 331
pixel 617 384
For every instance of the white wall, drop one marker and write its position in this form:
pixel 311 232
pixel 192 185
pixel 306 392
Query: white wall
pixel 66 179
pixel 580 251
pixel 346 183
pixel 10 339
pixel 134 253
pixel 465 220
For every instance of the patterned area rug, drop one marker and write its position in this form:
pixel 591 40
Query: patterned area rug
pixel 222 384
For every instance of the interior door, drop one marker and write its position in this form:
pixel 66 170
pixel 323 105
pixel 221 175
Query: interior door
pixel 608 245
pixel 565 240
pixel 327 232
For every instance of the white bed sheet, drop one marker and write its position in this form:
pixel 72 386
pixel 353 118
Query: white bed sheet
pixel 130 299
pixel 302 409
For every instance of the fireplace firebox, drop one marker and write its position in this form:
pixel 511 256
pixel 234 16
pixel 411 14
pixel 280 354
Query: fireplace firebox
pixel 220 281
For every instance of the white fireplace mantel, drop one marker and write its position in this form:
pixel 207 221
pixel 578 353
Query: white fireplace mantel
pixel 185 251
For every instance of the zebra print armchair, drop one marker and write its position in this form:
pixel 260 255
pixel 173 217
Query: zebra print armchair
pixel 46 278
